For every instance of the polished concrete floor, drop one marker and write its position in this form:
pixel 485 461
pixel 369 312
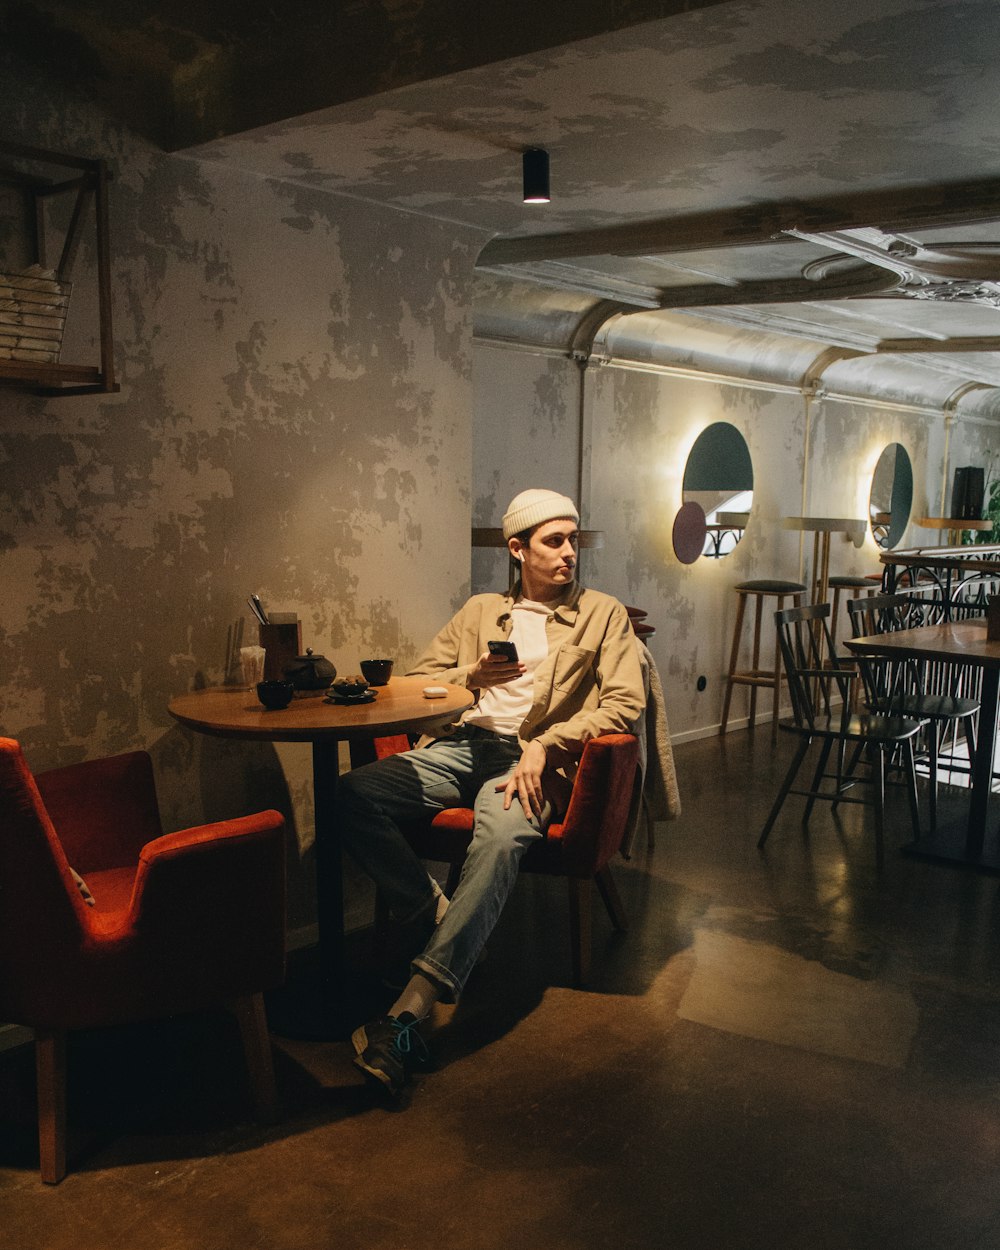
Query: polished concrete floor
pixel 786 1050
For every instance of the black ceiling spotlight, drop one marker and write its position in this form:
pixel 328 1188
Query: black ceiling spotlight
pixel 535 167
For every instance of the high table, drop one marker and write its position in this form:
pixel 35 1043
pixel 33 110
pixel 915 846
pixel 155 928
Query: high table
pixel 955 642
pixel 822 527
pixel 399 707
pixel 952 528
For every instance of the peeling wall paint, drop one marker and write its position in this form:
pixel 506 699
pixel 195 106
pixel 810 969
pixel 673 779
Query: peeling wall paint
pixel 294 419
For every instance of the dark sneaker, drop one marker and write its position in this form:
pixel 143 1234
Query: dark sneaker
pixel 388 1048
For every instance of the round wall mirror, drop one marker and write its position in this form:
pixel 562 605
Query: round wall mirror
pixel 891 496
pixel 718 477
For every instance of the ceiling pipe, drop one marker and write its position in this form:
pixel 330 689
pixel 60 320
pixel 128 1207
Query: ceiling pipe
pixel 812 392
pixel 581 348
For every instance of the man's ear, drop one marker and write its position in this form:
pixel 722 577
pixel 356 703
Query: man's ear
pixel 516 549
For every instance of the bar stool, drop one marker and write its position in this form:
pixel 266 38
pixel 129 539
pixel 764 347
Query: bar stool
pixel 755 676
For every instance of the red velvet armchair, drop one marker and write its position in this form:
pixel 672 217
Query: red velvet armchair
pixel 579 847
pixel 180 922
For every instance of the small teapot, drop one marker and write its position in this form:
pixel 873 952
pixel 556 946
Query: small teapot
pixel 310 672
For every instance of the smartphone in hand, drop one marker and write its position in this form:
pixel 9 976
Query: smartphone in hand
pixel 506 649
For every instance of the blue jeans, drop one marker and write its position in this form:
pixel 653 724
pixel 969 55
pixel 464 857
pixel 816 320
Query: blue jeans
pixel 461 771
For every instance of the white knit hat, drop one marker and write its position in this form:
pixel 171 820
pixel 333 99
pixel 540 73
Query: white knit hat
pixel 532 507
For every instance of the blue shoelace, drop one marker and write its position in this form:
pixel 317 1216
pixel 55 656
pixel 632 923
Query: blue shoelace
pixel 408 1040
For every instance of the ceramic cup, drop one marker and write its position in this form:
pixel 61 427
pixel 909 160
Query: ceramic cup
pixel 275 694
pixel 376 672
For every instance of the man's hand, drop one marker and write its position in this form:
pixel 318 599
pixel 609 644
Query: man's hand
pixel 526 781
pixel 493 670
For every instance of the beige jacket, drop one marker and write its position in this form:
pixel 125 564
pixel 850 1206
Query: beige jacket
pixel 656 796
pixel 590 683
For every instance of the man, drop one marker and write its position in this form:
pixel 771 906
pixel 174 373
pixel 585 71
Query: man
pixel 576 675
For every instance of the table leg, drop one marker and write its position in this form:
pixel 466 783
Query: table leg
pixel 814 589
pixel 324 998
pixel 962 841
pixel 982 765
pixel 329 866
pixel 823 589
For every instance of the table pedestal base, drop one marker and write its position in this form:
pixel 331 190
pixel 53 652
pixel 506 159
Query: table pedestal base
pixel 947 846
pixel 959 838
pixel 309 1007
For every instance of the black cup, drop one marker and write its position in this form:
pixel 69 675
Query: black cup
pixel 376 672
pixel 275 694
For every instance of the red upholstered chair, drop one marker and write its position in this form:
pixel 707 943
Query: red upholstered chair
pixel 181 921
pixel 579 847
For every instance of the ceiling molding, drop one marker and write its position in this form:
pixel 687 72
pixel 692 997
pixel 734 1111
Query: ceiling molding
pixel 902 208
pixel 838 284
pixel 592 324
pixel 863 280
pixel 767 320
pixel 812 377
pixel 982 343
pixel 576 278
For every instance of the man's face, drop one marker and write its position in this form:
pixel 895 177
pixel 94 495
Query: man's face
pixel 549 557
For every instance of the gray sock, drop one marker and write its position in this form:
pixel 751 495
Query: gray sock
pixel 418 997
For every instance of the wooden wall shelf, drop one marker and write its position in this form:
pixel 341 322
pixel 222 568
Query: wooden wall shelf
pixel 87 181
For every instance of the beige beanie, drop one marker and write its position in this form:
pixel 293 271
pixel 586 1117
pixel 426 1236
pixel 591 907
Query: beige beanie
pixel 532 507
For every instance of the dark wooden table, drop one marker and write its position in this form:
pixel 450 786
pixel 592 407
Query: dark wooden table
pixel 955 642
pixel 399 707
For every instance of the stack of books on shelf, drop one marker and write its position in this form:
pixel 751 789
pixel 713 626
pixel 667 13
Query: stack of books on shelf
pixel 33 305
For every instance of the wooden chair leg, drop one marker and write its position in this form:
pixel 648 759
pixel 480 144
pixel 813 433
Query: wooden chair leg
pixel 882 763
pixel 50 1071
pixel 755 657
pixel 734 659
pixel 911 787
pixel 776 677
pixel 818 775
pixel 612 899
pixel 933 754
pixel 249 1012
pixel 579 928
pixel 786 786
pixel 650 825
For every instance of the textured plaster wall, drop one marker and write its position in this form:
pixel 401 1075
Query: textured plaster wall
pixel 637 429
pixel 294 419
pixel 527 434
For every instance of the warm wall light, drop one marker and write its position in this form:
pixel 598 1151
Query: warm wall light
pixel 535 168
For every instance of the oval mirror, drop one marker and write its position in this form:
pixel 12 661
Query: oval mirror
pixel 718 477
pixel 891 496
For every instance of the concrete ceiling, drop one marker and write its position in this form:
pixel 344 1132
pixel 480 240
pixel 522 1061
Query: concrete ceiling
pixel 819 182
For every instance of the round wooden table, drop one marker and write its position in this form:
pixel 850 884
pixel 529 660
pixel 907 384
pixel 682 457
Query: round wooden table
pixel 399 707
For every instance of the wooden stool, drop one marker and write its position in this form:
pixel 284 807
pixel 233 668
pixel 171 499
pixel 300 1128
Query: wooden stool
pixel 756 676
